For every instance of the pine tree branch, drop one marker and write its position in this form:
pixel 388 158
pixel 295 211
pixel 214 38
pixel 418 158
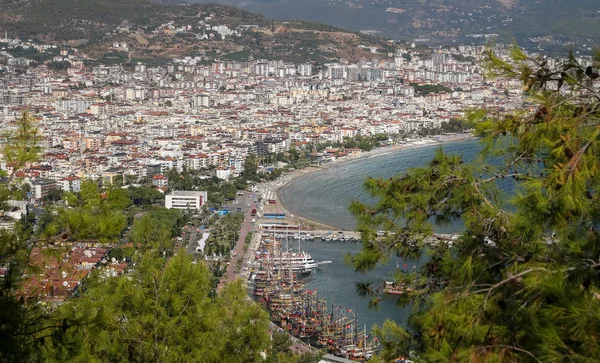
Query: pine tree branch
pixel 503 282
pixel 485 199
pixel 513 348
pixel 503 172
pixel 574 162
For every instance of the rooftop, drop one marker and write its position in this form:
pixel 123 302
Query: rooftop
pixel 187 193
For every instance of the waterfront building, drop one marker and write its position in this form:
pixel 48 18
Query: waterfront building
pixel 179 199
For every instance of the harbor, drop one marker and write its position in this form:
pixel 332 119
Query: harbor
pixel 285 278
pixel 280 280
pixel 310 235
pixel 295 265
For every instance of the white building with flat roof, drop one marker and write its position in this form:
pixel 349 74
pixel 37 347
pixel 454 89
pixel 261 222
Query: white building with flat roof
pixel 185 199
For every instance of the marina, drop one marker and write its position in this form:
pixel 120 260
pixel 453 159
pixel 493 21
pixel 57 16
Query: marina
pixel 337 236
pixel 298 271
pixel 279 280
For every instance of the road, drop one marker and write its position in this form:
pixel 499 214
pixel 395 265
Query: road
pixel 192 242
pixel 231 274
pixel 243 202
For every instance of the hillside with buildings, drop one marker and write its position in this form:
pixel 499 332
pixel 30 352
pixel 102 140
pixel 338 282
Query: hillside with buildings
pixel 114 32
pixel 544 23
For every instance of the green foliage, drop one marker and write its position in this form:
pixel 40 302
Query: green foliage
pixel 241 56
pixel 23 324
pixel 520 283
pixel 150 232
pixel 117 199
pixel 281 342
pixel 22 146
pixel 225 233
pixel 163 312
pixel 59 66
pixel 54 195
pixel 425 89
pixel 455 125
pixel 250 172
pixel 91 216
pixel 144 196
pixel 82 19
pixel 365 143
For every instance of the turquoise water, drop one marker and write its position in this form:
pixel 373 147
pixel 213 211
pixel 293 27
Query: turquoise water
pixel 324 196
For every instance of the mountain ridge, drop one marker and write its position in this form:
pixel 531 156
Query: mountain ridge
pixel 440 19
pixel 153 31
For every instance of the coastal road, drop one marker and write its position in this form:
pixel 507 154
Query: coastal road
pixel 242 203
pixel 231 274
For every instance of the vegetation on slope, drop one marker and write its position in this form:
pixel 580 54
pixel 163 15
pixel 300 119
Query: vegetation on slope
pixel 439 19
pixel 95 25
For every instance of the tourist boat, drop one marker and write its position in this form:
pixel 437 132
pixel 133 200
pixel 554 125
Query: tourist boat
pixel 359 348
pixel 297 262
pixel 299 311
pixel 392 288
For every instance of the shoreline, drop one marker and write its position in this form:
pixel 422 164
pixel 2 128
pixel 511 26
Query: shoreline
pixel 297 174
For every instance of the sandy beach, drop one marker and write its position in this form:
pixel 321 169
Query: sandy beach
pixel 291 217
pixel 290 177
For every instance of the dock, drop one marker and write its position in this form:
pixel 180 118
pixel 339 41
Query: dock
pixel 310 235
pixel 297 233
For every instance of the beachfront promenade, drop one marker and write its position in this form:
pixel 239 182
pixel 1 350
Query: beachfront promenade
pixel 231 273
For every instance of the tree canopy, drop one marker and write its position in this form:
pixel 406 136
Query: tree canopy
pixel 91 215
pixel 23 148
pixel 164 312
pixel 521 281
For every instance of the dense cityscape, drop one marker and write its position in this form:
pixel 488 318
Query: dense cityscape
pixel 110 163
pixel 105 121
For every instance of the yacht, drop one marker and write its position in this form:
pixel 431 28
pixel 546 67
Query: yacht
pixel 299 262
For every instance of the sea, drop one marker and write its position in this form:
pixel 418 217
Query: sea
pixel 324 196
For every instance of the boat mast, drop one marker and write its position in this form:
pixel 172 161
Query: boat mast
pixel 365 343
pixel 355 338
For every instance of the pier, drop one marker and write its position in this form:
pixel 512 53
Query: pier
pixel 296 233
pixel 309 235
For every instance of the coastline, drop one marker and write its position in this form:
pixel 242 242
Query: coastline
pixel 296 174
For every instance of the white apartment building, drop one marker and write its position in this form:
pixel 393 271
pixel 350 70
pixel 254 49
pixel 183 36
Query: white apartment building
pixel 223 173
pixel 70 184
pixel 186 199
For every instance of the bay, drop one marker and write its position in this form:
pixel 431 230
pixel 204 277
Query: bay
pixel 324 196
